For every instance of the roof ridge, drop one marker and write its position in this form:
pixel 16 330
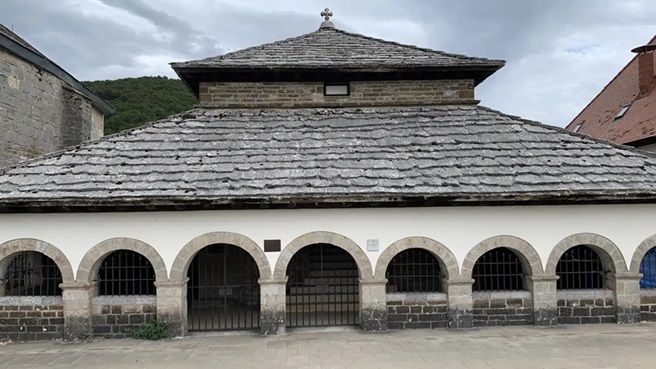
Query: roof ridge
pixel 352 34
pixel 575 134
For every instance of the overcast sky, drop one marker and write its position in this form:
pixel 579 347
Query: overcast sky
pixel 559 53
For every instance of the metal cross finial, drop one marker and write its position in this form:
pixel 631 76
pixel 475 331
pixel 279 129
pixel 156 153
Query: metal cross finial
pixel 326 13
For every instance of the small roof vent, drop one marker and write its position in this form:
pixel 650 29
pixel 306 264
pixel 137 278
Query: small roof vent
pixel 326 14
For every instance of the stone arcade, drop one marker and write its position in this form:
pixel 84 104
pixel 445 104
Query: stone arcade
pixel 328 179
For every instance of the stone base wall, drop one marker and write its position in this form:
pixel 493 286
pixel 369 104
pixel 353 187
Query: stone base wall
pixel 648 305
pixel 311 94
pixel 502 308
pixel 586 306
pixel 25 319
pixel 416 310
pixel 120 316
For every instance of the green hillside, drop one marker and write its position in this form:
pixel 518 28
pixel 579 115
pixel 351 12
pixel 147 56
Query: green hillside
pixel 141 100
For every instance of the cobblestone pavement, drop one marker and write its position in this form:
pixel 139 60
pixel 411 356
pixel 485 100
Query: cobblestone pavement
pixel 591 346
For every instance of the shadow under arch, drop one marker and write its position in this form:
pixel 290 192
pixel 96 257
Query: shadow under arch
pixel 13 247
pixel 186 255
pixel 445 257
pixel 526 253
pixel 345 243
pixel 90 264
pixel 610 254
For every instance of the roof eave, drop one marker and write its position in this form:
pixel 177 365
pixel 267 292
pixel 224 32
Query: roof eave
pixel 314 201
pixel 479 72
pixel 49 66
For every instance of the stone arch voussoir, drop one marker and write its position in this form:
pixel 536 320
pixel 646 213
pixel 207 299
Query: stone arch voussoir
pixel 186 255
pixel 90 264
pixel 445 257
pixel 10 248
pixel 610 254
pixel 640 253
pixel 345 243
pixel 530 258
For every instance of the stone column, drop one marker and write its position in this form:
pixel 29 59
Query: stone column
pixel 461 305
pixel 545 302
pixel 172 306
pixel 273 297
pixel 373 305
pixel 627 297
pixel 2 287
pixel 77 310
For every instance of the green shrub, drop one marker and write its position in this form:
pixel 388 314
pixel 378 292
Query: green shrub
pixel 153 330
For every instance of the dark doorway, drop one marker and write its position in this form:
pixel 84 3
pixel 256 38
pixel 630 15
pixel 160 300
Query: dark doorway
pixel 223 292
pixel 322 288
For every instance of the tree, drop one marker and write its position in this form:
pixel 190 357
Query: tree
pixel 141 100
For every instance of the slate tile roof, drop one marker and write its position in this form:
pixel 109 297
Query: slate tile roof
pixel 329 48
pixel 4 31
pixel 447 153
pixel 639 122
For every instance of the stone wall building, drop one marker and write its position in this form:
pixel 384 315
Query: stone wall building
pixel 42 108
pixel 328 179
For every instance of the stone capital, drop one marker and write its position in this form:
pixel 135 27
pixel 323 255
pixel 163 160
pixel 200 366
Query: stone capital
pixel 626 276
pixel 373 281
pixel 460 282
pixel 272 281
pixel 542 278
pixel 75 286
pixel 170 284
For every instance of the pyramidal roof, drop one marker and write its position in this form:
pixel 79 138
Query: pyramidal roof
pixel 459 154
pixel 333 48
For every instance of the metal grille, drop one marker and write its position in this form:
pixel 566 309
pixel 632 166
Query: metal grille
pixel 648 269
pixel 414 270
pixel 126 273
pixel 32 274
pixel 322 288
pixel 498 270
pixel 580 268
pixel 223 291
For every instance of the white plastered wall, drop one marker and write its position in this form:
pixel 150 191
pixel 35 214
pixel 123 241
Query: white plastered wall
pixel 458 228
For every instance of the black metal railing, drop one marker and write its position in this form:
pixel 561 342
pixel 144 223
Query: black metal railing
pixel 32 274
pixel 498 270
pixel 223 291
pixel 580 268
pixel 414 270
pixel 648 270
pixel 126 273
pixel 322 288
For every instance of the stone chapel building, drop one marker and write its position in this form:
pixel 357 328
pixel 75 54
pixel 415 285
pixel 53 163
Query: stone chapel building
pixel 325 180
pixel 42 107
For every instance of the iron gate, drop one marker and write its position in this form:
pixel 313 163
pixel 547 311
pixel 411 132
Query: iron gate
pixel 223 293
pixel 322 288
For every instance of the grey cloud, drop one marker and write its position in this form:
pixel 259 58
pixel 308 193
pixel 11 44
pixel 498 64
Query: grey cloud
pixel 542 79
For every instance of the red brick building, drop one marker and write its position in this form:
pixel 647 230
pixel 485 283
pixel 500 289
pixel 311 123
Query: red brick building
pixel 624 112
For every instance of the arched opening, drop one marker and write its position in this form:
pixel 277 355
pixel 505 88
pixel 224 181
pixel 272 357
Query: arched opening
pixel 414 291
pixel 126 297
pixel 30 273
pixel 126 273
pixel 499 290
pixel 648 286
pixel 322 288
pixel 223 291
pixel 581 287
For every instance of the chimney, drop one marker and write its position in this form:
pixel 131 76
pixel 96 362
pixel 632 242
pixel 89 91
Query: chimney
pixel 645 67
